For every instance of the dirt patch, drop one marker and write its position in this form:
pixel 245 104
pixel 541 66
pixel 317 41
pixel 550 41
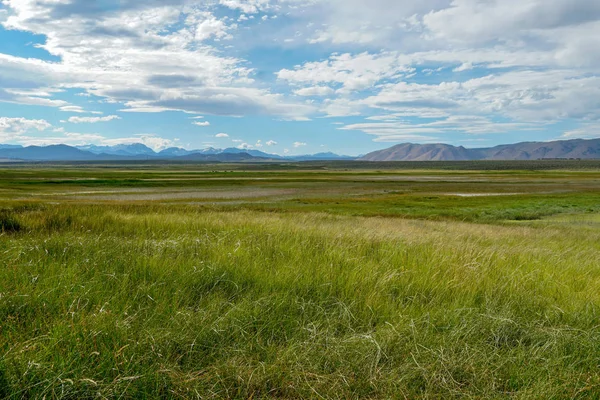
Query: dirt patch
pixel 188 194
pixel 481 194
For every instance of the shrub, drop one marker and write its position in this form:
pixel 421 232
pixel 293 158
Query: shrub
pixel 56 222
pixel 8 223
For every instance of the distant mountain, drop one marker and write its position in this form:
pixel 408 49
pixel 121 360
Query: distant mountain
pixel 58 152
pixel 254 153
pixel 577 148
pixel 134 149
pixel 420 152
pixel 208 150
pixel 174 152
pixel 10 146
pixel 138 151
pixel 221 157
pixel 321 157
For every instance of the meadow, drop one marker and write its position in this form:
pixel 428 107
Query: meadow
pixel 311 280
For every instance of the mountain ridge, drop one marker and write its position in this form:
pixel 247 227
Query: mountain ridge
pixel 139 151
pixel 558 149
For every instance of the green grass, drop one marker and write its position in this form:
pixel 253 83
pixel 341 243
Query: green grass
pixel 355 288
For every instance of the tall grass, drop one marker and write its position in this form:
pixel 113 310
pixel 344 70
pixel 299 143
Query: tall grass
pixel 8 222
pixel 169 302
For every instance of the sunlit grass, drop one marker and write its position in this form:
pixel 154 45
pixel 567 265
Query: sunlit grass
pixel 171 300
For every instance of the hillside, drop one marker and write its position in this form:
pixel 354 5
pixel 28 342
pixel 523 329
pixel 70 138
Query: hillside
pixel 578 148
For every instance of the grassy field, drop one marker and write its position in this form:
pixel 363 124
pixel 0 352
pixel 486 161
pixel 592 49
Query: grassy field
pixel 330 281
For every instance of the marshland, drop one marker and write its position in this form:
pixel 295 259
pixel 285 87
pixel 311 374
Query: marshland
pixel 308 280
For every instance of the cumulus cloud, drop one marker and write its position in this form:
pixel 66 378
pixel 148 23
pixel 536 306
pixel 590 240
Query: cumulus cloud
pixel 201 123
pixel 155 142
pixel 506 64
pixel 476 22
pixel 246 6
pixel 537 60
pixel 206 25
pixel 315 91
pixel 92 120
pixel 299 144
pixel 221 135
pixel 271 143
pixel 352 72
pixel 150 57
pixel 27 132
pixel 13 128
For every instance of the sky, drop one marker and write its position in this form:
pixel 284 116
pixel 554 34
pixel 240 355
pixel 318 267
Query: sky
pixel 298 76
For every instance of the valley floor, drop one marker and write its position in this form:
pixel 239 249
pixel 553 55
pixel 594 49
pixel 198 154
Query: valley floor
pixel 236 282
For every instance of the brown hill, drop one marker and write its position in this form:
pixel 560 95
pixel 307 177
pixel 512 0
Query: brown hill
pixel 577 148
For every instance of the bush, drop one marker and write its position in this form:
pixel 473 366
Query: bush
pixel 8 223
pixel 57 223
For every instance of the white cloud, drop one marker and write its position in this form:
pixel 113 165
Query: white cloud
pixel 342 107
pixel 271 143
pixel 315 91
pixel 585 131
pixel 14 128
pixel 68 138
pixel 205 25
pixel 221 135
pixel 299 144
pixel 526 96
pixel 73 109
pixel 555 44
pixel 246 6
pixel 149 56
pixel 517 64
pixel 476 22
pixel 23 131
pixel 352 72
pixel 153 141
pixel 464 67
pixel 92 120
pixel 203 123
pixel 468 124
pixel 245 146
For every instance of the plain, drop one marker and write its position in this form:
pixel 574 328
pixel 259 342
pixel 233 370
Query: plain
pixel 334 280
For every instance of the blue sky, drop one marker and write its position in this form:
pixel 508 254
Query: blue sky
pixel 298 76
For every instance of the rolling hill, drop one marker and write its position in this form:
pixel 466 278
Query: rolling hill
pixel 577 148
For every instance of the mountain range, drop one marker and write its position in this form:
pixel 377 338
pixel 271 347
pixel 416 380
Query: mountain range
pixel 571 149
pixel 560 149
pixel 138 151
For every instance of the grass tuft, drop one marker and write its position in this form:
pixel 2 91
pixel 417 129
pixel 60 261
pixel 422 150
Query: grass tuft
pixel 8 222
